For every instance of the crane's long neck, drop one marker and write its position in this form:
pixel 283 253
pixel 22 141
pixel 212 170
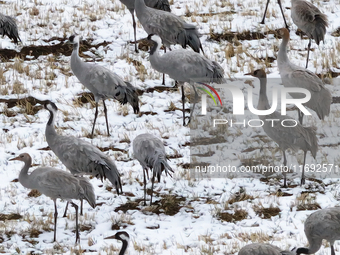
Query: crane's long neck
pixel 50 130
pixel 124 247
pixel 282 57
pixel 23 176
pixel 263 99
pixel 76 62
pixel 155 57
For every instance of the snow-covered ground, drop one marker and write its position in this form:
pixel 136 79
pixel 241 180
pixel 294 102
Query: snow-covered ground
pixel 197 227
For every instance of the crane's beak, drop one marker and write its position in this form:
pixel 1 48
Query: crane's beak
pixel 111 237
pixel 248 74
pixel 16 158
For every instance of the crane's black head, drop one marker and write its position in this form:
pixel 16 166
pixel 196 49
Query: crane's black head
pixel 302 251
pixel 74 39
pixel 120 235
pixel 50 106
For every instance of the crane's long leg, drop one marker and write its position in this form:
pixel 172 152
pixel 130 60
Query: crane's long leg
pixel 144 186
pixel 55 219
pixel 65 210
pixel 265 12
pixel 285 164
pixel 77 227
pixel 309 44
pixel 183 102
pixel 81 208
pixel 303 169
pixel 193 107
pixel 300 116
pixel 332 250
pixel 95 118
pixel 284 19
pixel 107 122
pixel 153 181
pixel 134 30
pixel 163 81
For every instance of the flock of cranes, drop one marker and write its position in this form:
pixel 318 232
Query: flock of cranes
pixel 182 65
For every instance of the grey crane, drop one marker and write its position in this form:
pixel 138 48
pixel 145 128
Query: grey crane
pixel 289 136
pixel 262 249
pixel 296 76
pixel 322 224
pixel 168 26
pixel 150 152
pixel 9 27
pixel 121 236
pixel 56 183
pixel 156 4
pixel 102 83
pixel 184 66
pixel 308 18
pixel 265 12
pixel 80 157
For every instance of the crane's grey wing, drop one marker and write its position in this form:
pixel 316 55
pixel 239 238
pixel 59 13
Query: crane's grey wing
pixel 9 27
pixel 108 84
pixel 259 249
pixel 150 152
pixel 81 157
pixel 324 224
pixel 164 24
pixel 303 78
pixel 57 184
pixel 291 134
pixel 193 66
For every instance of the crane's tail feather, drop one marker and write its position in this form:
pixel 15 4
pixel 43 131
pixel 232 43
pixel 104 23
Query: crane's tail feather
pixel 88 191
pixel 111 173
pixel 190 37
pixel 218 73
pixel 131 97
pixel 163 5
pixel 312 140
pixel 321 22
pixel 161 164
pixel 324 104
pixel 9 27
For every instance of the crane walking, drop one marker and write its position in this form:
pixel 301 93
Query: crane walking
pixel 80 157
pixel 9 27
pixel 184 66
pixel 156 4
pixel 296 76
pixel 289 136
pixel 150 152
pixel 121 236
pixel 102 83
pixel 56 183
pixel 322 224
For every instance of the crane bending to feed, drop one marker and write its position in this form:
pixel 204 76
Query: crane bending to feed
pixel 150 152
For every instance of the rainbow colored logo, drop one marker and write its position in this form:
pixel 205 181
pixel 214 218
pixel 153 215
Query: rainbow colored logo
pixel 209 93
